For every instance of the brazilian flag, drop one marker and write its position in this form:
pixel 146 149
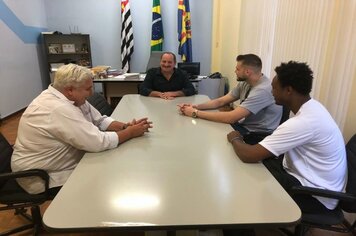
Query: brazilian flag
pixel 157 27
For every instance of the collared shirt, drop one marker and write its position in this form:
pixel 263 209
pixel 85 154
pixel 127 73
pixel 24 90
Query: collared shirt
pixel 155 81
pixel 54 134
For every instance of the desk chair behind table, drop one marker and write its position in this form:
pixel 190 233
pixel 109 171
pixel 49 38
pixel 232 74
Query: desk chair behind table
pixel 99 102
pixel 256 137
pixel 154 60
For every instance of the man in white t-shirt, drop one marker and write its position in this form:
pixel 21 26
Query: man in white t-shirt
pixel 312 144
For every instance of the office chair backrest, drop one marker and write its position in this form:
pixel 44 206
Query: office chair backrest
pixel 5 156
pixel 154 60
pixel 100 103
pixel 285 114
pixel 351 181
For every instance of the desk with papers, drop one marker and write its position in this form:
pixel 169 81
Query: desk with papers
pixel 121 85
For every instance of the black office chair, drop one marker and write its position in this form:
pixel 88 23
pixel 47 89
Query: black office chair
pixel 13 197
pixel 99 102
pixel 256 137
pixel 333 220
pixel 285 114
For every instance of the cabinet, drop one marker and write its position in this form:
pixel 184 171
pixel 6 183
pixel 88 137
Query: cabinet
pixel 62 49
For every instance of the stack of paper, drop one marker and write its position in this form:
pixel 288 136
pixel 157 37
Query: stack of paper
pixel 119 77
pixel 132 76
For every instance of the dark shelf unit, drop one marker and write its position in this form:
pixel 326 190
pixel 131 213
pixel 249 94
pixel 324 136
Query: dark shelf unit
pixel 67 48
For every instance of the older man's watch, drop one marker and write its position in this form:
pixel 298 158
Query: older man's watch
pixel 195 113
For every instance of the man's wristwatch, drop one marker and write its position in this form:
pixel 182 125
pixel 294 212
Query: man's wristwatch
pixel 195 113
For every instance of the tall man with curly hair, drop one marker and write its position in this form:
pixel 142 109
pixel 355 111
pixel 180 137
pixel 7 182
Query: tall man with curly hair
pixel 312 144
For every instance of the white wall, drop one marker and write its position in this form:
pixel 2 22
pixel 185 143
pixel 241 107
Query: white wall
pixel 21 71
pixel 102 20
pixel 226 33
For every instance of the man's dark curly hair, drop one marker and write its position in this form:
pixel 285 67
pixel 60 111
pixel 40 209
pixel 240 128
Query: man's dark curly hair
pixel 298 75
pixel 250 60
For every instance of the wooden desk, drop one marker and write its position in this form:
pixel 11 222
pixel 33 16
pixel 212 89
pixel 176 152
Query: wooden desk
pixel 183 174
pixel 119 86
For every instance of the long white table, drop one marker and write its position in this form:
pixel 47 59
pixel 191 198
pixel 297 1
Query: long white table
pixel 183 174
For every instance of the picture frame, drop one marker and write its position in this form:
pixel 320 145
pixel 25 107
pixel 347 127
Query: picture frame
pixel 54 48
pixel 68 48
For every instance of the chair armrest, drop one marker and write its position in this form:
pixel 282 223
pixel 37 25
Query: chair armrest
pixel 27 173
pixel 295 190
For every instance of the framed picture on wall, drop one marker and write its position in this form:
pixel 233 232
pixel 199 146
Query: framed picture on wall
pixel 68 48
pixel 54 48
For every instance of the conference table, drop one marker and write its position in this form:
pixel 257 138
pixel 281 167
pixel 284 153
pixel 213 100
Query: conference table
pixel 183 174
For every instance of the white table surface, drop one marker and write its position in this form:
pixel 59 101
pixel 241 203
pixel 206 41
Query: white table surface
pixel 183 174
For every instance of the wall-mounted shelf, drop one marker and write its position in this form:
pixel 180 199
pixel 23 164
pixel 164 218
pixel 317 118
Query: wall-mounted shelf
pixel 62 49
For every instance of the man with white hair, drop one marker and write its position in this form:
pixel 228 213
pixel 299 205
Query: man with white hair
pixel 59 126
